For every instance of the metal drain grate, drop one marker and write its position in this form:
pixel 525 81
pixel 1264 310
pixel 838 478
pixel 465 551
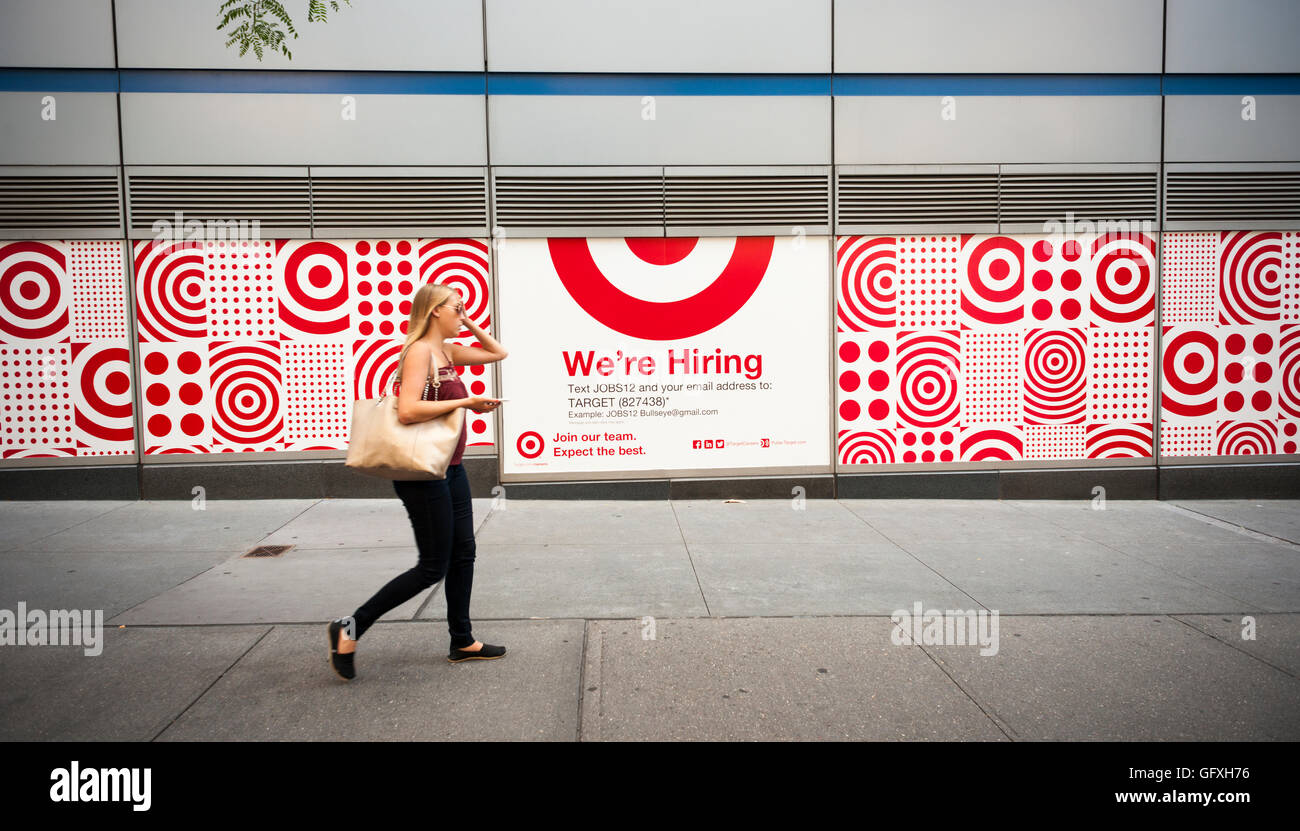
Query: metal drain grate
pixel 268 551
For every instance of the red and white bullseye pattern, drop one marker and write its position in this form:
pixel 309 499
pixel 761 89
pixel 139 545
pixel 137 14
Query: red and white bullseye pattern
pixel 312 289
pixel 463 265
pixel 1001 347
pixel 1250 277
pixel 34 291
pixel 1055 370
pixel 1123 289
pixel 867 276
pixel 1230 384
pixel 171 291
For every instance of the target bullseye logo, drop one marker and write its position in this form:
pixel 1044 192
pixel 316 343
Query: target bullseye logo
pixel 530 444
pixel 651 320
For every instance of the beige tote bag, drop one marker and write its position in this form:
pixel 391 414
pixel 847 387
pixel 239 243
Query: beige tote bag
pixel 383 446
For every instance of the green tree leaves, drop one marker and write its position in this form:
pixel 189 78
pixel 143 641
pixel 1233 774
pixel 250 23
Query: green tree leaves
pixel 258 23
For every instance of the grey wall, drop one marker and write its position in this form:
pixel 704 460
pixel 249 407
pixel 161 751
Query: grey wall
pixel 213 128
pixel 1209 128
pixel 610 130
pixel 1233 36
pixel 664 36
pixel 892 129
pixel 84 130
pixel 62 33
pixel 1120 36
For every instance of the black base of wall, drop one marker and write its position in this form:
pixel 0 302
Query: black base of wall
pixel 331 479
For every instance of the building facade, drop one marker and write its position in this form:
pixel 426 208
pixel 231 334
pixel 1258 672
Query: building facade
pixel 864 248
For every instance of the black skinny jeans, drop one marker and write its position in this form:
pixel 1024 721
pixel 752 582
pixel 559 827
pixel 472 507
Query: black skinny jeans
pixel 442 517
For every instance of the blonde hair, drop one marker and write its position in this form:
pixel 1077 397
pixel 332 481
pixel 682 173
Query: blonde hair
pixel 426 298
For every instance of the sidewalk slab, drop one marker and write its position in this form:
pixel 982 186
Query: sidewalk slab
pixel 234 525
pixel 817 578
pixel 23 523
pixel 405 689
pixel 299 586
pixel 1125 522
pixel 1276 636
pixel 143 679
pixel 968 521
pixel 356 523
pixel 789 521
pixel 1123 678
pixel 1265 576
pixel 1276 517
pixel 572 580
pixel 1073 576
pixel 764 679
pixel 580 522
pixel 113 581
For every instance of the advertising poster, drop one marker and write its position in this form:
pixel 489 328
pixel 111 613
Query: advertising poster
pixel 664 355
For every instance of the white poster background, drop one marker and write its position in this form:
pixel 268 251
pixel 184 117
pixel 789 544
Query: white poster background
pixel 649 425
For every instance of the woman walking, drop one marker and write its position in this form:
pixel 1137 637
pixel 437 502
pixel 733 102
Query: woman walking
pixel 440 510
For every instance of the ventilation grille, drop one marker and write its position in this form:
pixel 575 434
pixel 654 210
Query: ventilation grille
pixel 1221 197
pixel 60 202
pixel 921 199
pixel 541 201
pixel 272 201
pixel 1039 197
pixel 373 202
pixel 746 200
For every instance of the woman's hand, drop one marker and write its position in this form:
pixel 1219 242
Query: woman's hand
pixel 482 404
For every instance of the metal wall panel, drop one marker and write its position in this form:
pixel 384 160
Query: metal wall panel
pixel 56 33
pixel 216 129
pixel 1237 36
pixel 1210 128
pixel 662 36
pixel 1120 36
pixel 891 129
pixel 392 34
pixel 83 131
pixel 610 130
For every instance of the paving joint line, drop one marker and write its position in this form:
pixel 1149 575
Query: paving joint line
pixel 997 722
pixel 189 706
pixel 1232 645
pixel 1230 526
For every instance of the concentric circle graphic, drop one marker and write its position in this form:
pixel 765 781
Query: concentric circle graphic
pixel 648 320
pixel 33 300
pixel 171 295
pixel 1191 372
pixel 995 276
pixel 1250 283
pixel 530 444
pixel 867 271
pixel 1054 370
pixel 315 288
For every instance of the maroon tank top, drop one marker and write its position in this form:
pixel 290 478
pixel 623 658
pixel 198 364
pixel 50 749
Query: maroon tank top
pixel 450 386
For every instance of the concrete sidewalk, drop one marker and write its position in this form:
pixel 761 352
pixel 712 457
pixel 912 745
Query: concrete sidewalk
pixel 764 619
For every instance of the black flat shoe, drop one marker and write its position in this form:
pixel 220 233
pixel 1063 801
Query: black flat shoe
pixel 340 661
pixel 486 653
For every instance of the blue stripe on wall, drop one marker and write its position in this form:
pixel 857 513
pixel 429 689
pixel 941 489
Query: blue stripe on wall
pixel 58 80
pixel 540 83
pixel 293 81
pixel 528 83
pixel 1232 84
pixel 997 84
